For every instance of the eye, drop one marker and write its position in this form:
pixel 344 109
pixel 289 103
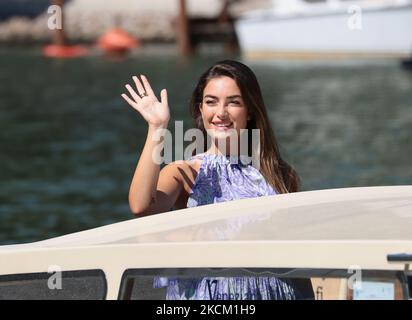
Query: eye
pixel 234 102
pixel 210 102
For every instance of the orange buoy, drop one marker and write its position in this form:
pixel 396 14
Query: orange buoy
pixel 117 40
pixel 64 51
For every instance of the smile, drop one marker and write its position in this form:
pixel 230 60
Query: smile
pixel 222 126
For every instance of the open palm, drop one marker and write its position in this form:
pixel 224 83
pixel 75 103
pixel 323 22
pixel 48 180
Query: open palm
pixel 155 112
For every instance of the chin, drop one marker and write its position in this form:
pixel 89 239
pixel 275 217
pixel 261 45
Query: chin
pixel 222 134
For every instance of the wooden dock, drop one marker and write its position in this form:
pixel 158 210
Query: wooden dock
pixel 193 31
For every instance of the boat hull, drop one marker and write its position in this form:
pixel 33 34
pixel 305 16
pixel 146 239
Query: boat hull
pixel 380 33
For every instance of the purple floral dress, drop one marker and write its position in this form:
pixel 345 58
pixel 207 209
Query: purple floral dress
pixel 225 178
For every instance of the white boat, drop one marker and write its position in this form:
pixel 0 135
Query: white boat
pixel 327 29
pixel 353 243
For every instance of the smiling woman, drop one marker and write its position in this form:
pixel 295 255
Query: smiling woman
pixel 223 106
pixel 226 99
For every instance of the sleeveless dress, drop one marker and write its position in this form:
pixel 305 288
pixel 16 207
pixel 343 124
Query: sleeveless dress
pixel 224 178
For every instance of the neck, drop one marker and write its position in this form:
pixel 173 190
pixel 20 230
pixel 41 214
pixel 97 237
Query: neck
pixel 223 149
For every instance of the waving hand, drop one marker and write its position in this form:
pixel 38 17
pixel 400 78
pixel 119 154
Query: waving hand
pixel 155 112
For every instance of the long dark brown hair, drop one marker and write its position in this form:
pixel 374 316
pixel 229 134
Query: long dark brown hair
pixel 277 172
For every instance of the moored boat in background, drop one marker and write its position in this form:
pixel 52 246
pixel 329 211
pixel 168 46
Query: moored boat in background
pixel 328 29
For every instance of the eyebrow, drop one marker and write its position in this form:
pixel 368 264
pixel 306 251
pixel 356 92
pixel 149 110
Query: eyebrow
pixel 229 97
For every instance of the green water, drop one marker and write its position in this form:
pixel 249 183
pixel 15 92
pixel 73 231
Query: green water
pixel 69 144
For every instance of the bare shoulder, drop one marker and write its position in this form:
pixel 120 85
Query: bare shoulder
pixel 183 171
pixel 182 168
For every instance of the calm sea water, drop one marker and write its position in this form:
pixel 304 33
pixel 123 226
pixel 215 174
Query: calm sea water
pixel 69 144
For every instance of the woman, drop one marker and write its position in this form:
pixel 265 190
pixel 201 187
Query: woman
pixel 226 100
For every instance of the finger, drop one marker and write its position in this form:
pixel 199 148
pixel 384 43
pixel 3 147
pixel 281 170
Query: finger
pixel 163 96
pixel 133 93
pixel 139 85
pixel 147 86
pixel 129 101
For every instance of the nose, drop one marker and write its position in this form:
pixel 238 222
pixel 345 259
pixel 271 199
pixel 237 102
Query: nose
pixel 222 111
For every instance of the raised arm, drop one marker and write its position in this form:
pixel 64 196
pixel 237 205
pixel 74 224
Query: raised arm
pixel 151 191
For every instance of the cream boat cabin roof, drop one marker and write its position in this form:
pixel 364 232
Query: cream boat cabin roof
pixel 319 230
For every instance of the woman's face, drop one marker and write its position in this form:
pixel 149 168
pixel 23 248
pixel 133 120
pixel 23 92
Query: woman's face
pixel 222 107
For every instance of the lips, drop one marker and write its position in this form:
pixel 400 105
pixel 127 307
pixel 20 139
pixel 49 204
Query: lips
pixel 222 125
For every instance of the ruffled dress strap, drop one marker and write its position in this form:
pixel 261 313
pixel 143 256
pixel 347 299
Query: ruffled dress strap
pixel 224 178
